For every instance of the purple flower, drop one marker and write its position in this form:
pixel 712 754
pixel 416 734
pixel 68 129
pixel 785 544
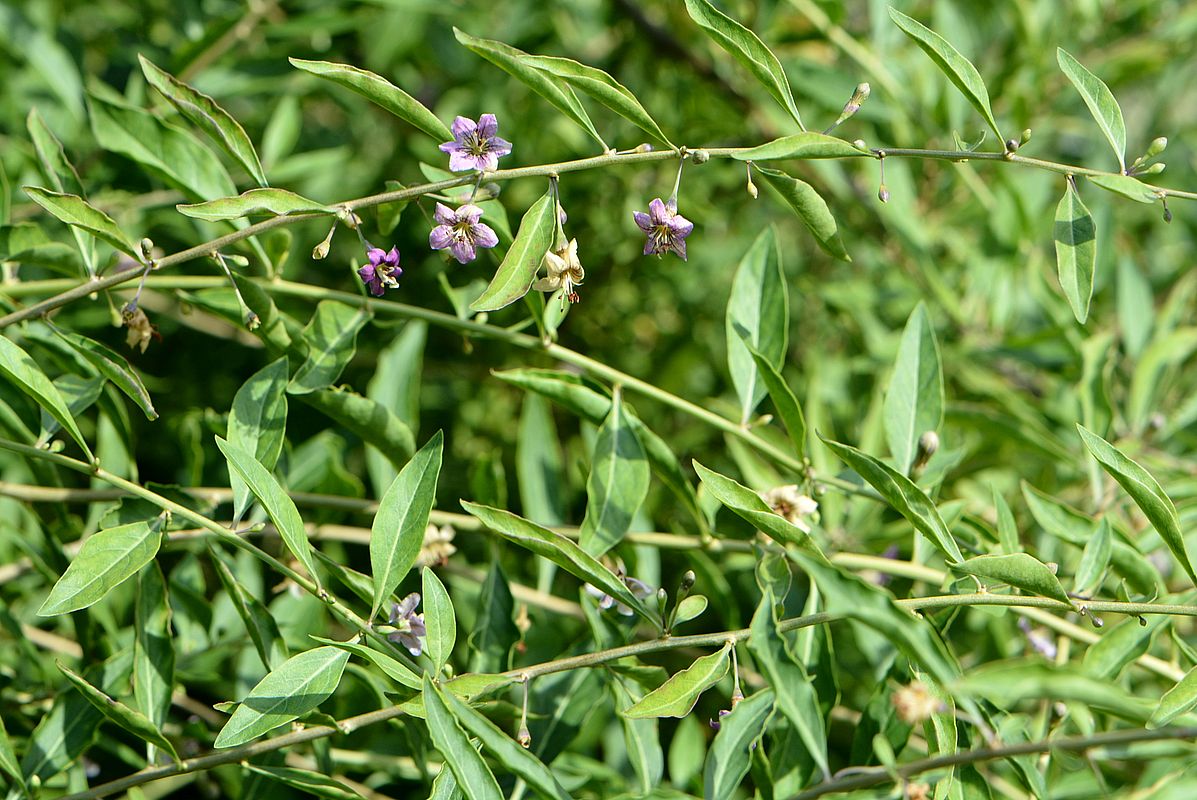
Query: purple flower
pixel 461 232
pixel 382 272
pixel 666 229
pixel 409 626
pixel 638 587
pixel 475 145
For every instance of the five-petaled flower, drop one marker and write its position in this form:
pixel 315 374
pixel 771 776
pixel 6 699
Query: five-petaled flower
pixel 475 145
pixel 666 229
pixel 382 272
pixel 565 271
pixel 461 232
pixel 409 626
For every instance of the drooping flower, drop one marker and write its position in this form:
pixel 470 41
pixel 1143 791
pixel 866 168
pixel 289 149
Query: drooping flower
pixel 382 272
pixel 666 229
pixel 565 271
pixel 475 145
pixel 788 502
pixel 637 587
pixel 409 626
pixel 138 328
pixel 461 231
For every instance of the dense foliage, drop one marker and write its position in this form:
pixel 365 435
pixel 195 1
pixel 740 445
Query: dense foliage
pixel 739 399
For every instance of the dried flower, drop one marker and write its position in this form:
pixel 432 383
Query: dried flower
pixel 139 329
pixel 918 791
pixel 788 502
pixel 915 703
pixel 382 272
pixel 461 232
pixel 666 229
pixel 409 626
pixel 637 587
pixel 565 271
pixel 437 546
pixel 475 145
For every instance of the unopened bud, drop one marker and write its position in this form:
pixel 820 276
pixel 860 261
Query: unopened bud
pixel 687 583
pixel 883 194
pixel 860 143
pixel 662 600
pixel 643 148
pixel 1012 145
pixel 252 321
pixel 320 251
pixel 147 248
pixel 240 261
pixel 700 156
pixel 524 737
pixel 1156 147
pixel 928 444
pixel 1025 137
pixel 1154 169
pixel 753 192
pixel 1167 215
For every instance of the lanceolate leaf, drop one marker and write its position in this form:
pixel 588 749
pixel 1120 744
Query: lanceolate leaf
pixel 371 421
pixel 114 367
pixel 1076 251
pixel 677 696
pixel 1019 570
pixel 744 45
pixel 208 116
pixel 77 212
pixel 392 668
pixel 810 207
pixel 519 266
pixel 106 560
pixel 914 398
pixel 749 505
pixel 258 423
pixel 298 686
pixel 758 318
pixel 1125 185
pixel 784 401
pixel 259 624
pixel 617 485
pixel 801 145
pixel 905 497
pixel 474 777
pixel 8 758
pixel 279 506
pixel 731 752
pixel 117 712
pixel 153 649
pixel 1145 491
pixel 313 783
pixel 603 88
pixel 332 340
pixel 1180 698
pixel 380 91
pixel 402 517
pixel 958 68
pixel 1101 103
pixel 273 202
pixel 440 619
pixel 61 174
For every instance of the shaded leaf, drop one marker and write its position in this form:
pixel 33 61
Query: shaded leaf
pixel 106 560
pixel 728 758
pixel 810 207
pixel 78 213
pixel 758 316
pixel 474 777
pixel 259 623
pixel 519 265
pixel 153 650
pixel 258 423
pixel 617 485
pixel 440 621
pixel 1019 570
pixel 391 667
pixel 370 421
pixel 783 400
pixel 1125 185
pixel 914 398
pixel 274 202
pixel 1076 251
pixel 1180 698
pixel 117 712
pixel 1094 559
pixel 749 505
pixel 314 783
pixel 677 696
pixel 807 144
pixel 331 335
pixel 113 366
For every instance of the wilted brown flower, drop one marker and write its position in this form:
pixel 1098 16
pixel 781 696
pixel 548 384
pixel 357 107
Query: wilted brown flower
pixel 139 330
pixel 437 546
pixel 914 703
pixel 788 502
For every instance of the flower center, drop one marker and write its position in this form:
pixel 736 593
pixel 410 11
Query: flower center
pixel 463 231
pixel 476 145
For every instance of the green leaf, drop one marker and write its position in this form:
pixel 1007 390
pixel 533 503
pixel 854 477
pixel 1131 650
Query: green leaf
pixel 380 91
pixel 275 202
pixel 258 423
pixel 731 751
pixel 749 505
pixel 1125 185
pixel 1176 701
pixel 807 144
pixel 795 693
pixel 393 668
pixel 331 335
pixel 1094 559
pixel 62 735
pixel 617 485
pixel 518 269
pixel 744 45
pixel 474 777
pixel 690 608
pixel 395 385
pixel 1019 570
pixel 208 116
pixel 313 783
pixel 494 631
pixel 810 207
pixel 106 560
pixel 469 687
pixel 370 421
pixel 117 712
pixel 561 551
pixel 758 316
pixel 278 504
pixel 1007 530
pixel 514 63
pixel 402 517
pixel 603 88
pixel 949 60
pixel 8 759
pixel 1101 103
pixel 903 495
pixel 61 174
pixel 297 686
pixel 914 398
pixel 114 367
pixel 783 400
pixel 505 750
pixel 1076 251
pixel 259 623
pixel 1145 491
pixel 1007 683
pixel 440 620
pixel 677 696
pixel 78 213
pixel 1122 644
pixel 153 650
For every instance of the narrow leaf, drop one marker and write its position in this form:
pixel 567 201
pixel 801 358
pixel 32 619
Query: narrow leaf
pixel 278 504
pixel 749 505
pixel 747 48
pixel 807 144
pixel 617 485
pixel 1145 491
pixel 474 777
pixel 77 212
pixel 392 668
pixel 369 420
pixel 731 751
pixel 1101 103
pixel 783 400
pixel 380 91
pixel 1094 559
pixel 208 116
pixel 273 202
pixel 402 517
pixel 677 696
pixel 440 621
pixel 153 649
pixel 914 397
pixel 757 318
pixel 117 712
pixel 1076 251
pixel 1176 701
pixel 297 686
pixel 959 69
pixel 331 335
pixel 1007 530
pixel 61 174
pixel 313 783
pixel 259 623
pixel 258 423
pixel 8 759
pixel 810 207
pixel 113 366
pixel 1125 185
pixel 106 560
pixel 1019 570
pixel 518 269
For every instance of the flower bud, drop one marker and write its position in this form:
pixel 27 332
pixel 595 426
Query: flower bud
pixel 700 156
pixel 1154 169
pixel 883 194
pixel 928 444
pixel 753 192
pixel 252 321
pixel 687 583
pixel 320 251
pixel 1025 137
pixel 147 249
pixel 1156 147
pixel 1012 145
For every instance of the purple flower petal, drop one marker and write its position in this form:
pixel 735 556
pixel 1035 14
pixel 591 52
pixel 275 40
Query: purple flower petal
pixel 463 251
pixel 392 258
pixel 469 213
pixel 375 255
pixel 487 162
pixel 463 127
pixel 484 235
pixel 680 227
pixel 451 147
pixel 679 247
pixel 650 247
pixel 659 211
pixel 500 147
pixel 488 126
pixel 643 220
pixel 366 273
pixel 441 237
pixel 461 161
pixel 444 215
